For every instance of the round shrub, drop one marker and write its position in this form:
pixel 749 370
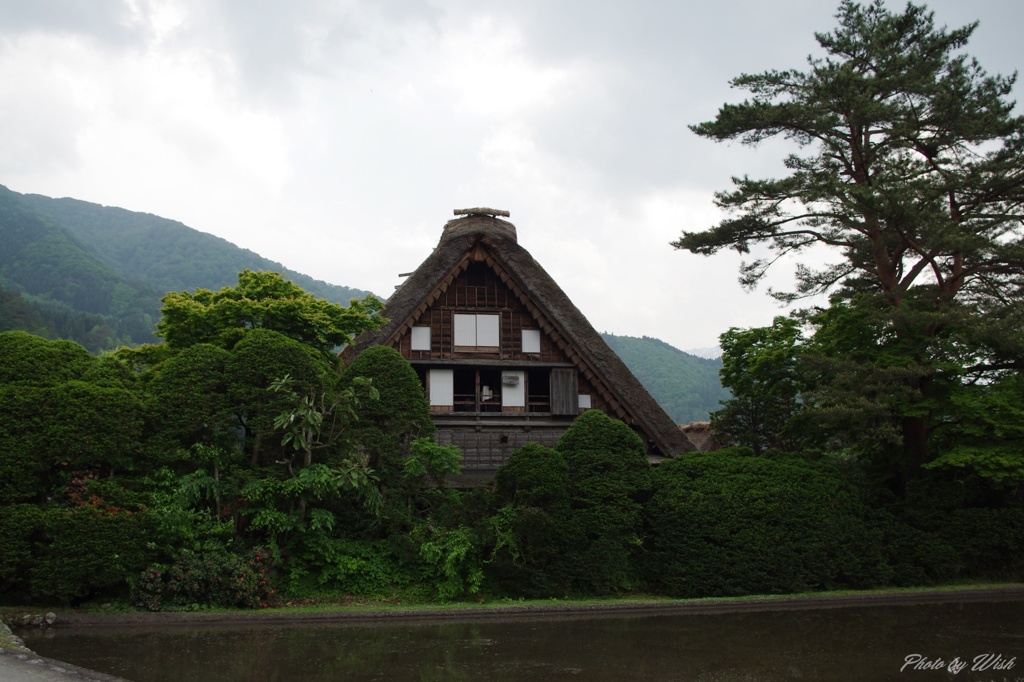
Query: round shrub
pixel 531 556
pixel 534 476
pixel 196 580
pixel 401 415
pixel 609 479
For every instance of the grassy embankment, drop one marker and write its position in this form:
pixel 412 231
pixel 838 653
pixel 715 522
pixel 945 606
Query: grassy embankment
pixel 350 607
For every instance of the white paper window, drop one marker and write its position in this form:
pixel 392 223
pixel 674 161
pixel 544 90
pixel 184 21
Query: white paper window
pixel 477 330
pixel 584 401
pixel 441 387
pixel 421 338
pixel 465 330
pixel 488 330
pixel 531 340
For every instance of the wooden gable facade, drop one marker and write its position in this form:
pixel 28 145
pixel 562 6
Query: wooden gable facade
pixel 504 356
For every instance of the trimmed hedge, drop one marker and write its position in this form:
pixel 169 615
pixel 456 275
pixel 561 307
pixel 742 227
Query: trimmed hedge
pixel 69 554
pixel 724 525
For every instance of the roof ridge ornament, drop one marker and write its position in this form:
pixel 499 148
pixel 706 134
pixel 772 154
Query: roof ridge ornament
pixel 492 212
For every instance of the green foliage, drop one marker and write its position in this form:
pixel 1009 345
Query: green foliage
pixel 208 579
pixel 727 524
pixel 87 551
pixel 278 504
pixel 532 529
pixel 687 387
pixel 534 476
pixel 952 526
pixel 354 567
pixel 261 357
pixel 452 557
pixel 609 478
pixel 402 414
pixel 190 399
pixel 33 361
pixel 303 425
pixel 262 300
pixel 21 527
pixel 394 434
pixel 986 433
pixel 569 520
pixel 429 463
pixel 594 431
pixel 181 510
pixel 63 410
pixel 911 169
pixel 989 542
pixel 759 366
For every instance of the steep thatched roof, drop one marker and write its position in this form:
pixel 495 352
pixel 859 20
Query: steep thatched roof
pixel 482 235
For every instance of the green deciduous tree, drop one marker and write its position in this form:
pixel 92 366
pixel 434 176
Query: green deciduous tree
pixel 910 166
pixel 759 366
pixel 263 300
pixel 190 399
pixel 984 433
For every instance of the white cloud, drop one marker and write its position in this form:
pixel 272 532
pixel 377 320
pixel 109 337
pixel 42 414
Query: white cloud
pixel 337 136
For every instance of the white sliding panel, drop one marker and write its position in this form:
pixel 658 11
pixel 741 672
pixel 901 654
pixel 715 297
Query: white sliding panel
pixel 488 330
pixel 442 393
pixel 513 389
pixel 465 330
pixel 531 340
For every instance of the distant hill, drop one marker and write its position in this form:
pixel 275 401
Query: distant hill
pixel 686 386
pixel 165 254
pixel 95 274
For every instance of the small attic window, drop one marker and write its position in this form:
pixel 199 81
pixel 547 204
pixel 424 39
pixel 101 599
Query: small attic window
pixel 476 274
pixel 421 338
pixel 531 340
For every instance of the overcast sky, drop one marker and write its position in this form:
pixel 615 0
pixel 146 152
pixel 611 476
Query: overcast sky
pixel 337 136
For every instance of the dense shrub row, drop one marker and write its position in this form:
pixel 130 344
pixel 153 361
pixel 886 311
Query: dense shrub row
pixel 130 478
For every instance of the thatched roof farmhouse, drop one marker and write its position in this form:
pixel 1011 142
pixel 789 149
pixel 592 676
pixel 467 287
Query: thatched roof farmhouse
pixel 504 355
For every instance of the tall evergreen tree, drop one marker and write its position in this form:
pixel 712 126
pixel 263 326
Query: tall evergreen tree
pixel 910 165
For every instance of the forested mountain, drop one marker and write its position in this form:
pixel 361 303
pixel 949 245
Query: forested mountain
pixel 95 274
pixel 166 254
pixel 686 386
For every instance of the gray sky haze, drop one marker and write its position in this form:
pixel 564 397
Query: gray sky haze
pixel 337 136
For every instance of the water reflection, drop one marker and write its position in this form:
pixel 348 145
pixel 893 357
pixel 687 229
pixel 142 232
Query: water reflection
pixel 847 643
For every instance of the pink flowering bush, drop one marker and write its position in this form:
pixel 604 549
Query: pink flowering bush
pixel 204 580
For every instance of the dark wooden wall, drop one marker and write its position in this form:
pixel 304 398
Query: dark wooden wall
pixel 490 296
